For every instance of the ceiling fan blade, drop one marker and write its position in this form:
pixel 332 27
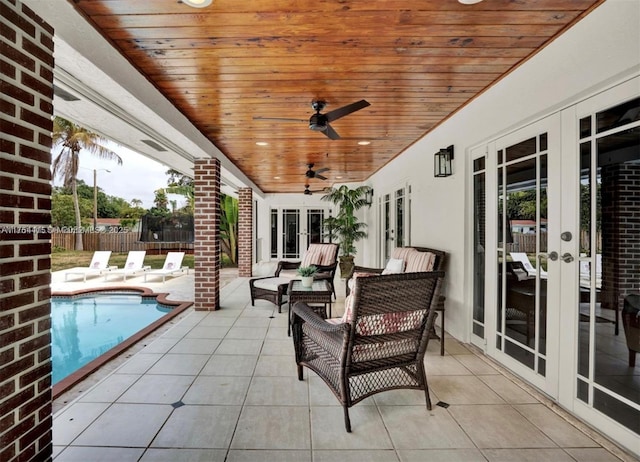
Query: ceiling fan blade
pixel 320 177
pixel 331 133
pixel 278 119
pixel 346 110
pixel 322 170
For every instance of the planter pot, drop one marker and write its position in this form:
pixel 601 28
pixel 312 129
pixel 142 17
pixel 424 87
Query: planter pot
pixel 346 266
pixel 307 281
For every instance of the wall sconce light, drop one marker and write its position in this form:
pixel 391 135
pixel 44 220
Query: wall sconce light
pixel 442 162
pixel 368 197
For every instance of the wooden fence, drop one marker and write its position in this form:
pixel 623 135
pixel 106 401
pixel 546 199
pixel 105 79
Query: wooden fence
pixel 116 242
pixel 527 242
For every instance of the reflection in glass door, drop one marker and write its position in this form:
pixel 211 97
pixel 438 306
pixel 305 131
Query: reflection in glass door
pixel 608 375
pixel 521 323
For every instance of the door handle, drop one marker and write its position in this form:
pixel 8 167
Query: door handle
pixel 553 256
pixel 567 257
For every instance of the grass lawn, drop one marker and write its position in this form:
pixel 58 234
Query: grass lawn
pixel 71 258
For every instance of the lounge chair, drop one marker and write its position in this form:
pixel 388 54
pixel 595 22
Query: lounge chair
pixel 99 265
pixel 524 259
pixel 172 267
pixel 133 265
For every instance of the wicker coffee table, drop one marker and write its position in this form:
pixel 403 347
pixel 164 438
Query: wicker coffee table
pixel 318 296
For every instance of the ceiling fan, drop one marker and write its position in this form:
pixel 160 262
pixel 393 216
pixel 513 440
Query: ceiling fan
pixel 310 173
pixel 309 192
pixel 320 122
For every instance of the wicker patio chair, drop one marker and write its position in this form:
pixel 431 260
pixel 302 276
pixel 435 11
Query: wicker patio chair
pixel 324 256
pixel 438 265
pixel 383 344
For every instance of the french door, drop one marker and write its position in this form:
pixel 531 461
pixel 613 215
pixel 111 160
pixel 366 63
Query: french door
pixel 293 229
pixel 394 225
pixel 523 323
pixel 557 257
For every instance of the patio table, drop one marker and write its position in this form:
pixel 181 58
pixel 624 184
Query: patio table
pixel 318 296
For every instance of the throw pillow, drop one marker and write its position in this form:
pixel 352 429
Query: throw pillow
pixel 394 265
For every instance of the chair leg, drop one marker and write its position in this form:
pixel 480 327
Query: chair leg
pixel 442 335
pixel 632 358
pixel 347 421
pixel 300 377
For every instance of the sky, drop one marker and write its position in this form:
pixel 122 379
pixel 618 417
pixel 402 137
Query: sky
pixel 137 178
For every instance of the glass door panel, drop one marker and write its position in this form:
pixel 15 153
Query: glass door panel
pixel 291 233
pixel 608 375
pixel 394 221
pixel 522 326
pixel 314 226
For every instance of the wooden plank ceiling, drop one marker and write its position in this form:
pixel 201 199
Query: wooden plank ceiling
pixel 234 62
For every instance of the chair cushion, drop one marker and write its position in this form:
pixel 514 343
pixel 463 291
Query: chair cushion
pixel 319 254
pixel 289 274
pixel 394 265
pixel 420 261
pixel 270 283
pixel 402 253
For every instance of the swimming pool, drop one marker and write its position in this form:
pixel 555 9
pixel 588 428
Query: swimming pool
pixel 91 327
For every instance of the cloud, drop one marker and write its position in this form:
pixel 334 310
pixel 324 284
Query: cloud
pixel 137 178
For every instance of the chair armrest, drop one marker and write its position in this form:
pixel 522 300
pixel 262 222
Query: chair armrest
pixel 326 268
pixel 361 269
pixel 303 311
pixel 364 269
pixel 286 265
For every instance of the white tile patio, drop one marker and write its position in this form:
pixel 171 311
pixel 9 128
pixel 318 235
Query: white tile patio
pixel 222 386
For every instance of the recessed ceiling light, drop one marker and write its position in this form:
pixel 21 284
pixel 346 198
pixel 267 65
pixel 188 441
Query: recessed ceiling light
pixel 197 3
pixel 469 2
pixel 364 143
pixel 262 143
pixel 338 178
pixel 276 177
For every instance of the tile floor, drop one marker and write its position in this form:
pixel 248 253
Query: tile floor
pixel 222 386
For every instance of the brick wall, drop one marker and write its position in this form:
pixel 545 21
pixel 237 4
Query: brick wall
pixel 26 107
pixel 206 234
pixel 245 232
pixel 620 205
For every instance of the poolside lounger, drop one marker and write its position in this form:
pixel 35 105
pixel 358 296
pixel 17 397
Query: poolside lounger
pixel 172 267
pixel 531 270
pixel 133 265
pixel 99 265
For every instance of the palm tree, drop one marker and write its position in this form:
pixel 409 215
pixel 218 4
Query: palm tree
pixel 73 139
pixel 229 226
pixel 345 226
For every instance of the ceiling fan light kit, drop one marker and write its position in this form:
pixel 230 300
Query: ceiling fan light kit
pixel 320 122
pixel 197 3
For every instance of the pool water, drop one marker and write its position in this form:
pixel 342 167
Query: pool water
pixel 86 326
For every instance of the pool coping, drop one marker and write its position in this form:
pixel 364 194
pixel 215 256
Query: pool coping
pixel 177 307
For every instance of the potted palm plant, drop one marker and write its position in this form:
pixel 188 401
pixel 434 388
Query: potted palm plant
pixel 306 274
pixel 345 227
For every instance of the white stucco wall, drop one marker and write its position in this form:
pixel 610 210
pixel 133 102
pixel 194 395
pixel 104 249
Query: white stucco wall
pixel 600 50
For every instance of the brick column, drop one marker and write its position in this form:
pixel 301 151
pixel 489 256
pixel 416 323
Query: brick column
pixel 25 247
pixel 245 232
pixel 207 234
